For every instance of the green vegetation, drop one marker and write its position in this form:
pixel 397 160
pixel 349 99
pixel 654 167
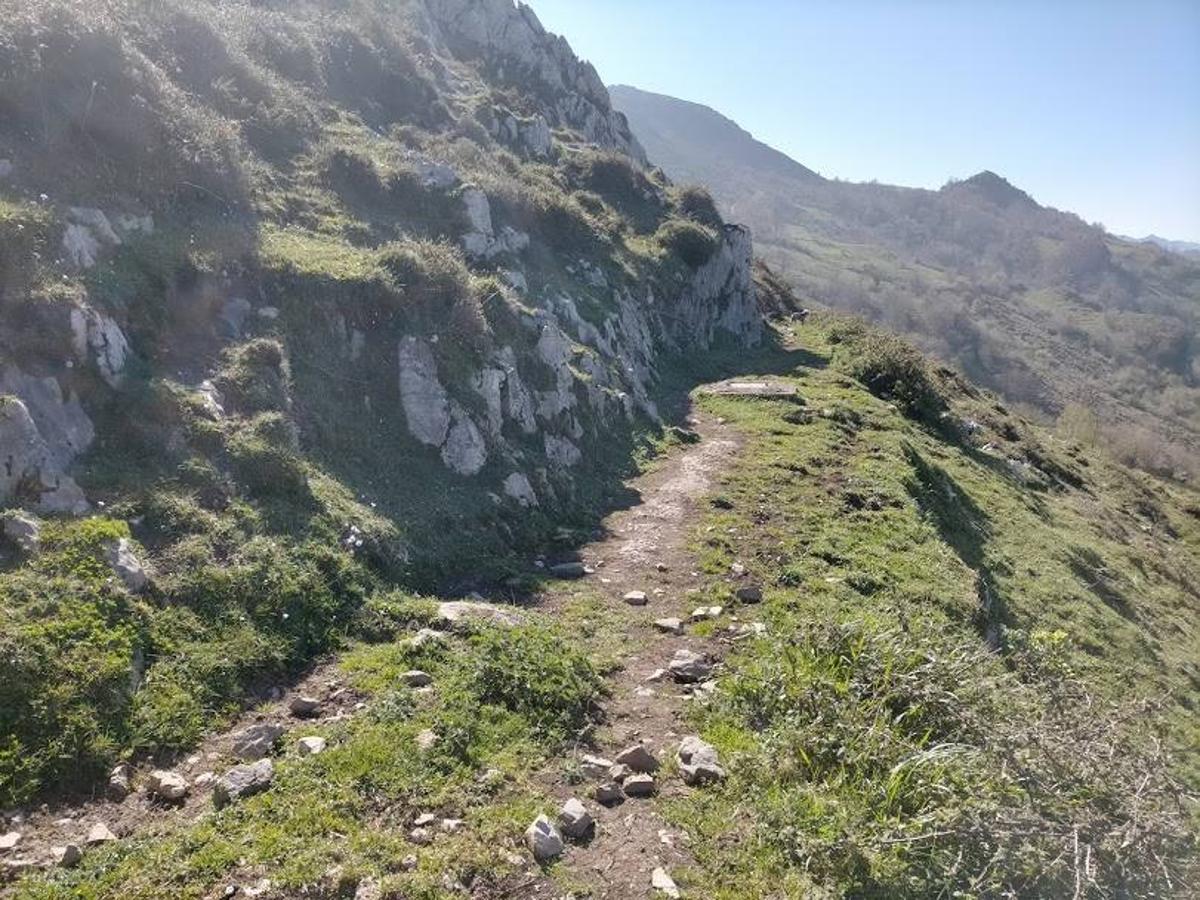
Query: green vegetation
pixel 876 747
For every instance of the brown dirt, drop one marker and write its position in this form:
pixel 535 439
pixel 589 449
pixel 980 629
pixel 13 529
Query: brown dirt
pixel 645 548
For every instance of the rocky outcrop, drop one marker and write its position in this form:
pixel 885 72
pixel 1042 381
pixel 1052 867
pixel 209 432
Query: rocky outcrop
pixel 511 41
pixel 30 467
pixel 721 298
pixel 98 340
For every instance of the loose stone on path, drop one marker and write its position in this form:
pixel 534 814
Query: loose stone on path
pixel 688 667
pixel 543 839
pixel 669 626
pixel 575 820
pixel 638 758
pixel 636 598
pixel 662 882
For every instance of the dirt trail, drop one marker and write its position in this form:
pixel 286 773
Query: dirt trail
pixel 645 549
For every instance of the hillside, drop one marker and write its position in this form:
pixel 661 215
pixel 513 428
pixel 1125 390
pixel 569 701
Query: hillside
pixel 408 492
pixel 1055 314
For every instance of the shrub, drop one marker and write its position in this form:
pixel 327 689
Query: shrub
pixel 696 203
pixel 694 244
pixel 533 672
pixel 893 370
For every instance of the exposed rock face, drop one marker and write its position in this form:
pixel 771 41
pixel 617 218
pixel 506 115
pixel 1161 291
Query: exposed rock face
pixel 99 340
pixel 23 531
pixel 89 233
pixel 465 451
pixel 511 38
pixel 32 466
pixel 721 297
pixel 426 403
pixel 517 487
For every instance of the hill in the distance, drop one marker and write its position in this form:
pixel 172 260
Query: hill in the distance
pixel 1062 318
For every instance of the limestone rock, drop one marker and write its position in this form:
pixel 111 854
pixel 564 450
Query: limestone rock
pixel 465 450
pixel 595 766
pixel 426 637
pixel 256 741
pixel 426 403
pixel 608 793
pixel 664 884
pixel 639 785
pixel 575 820
pixel 543 839
pixel 687 667
pixel 455 614
pixel 700 613
pixel 120 782
pixel 311 746
pixel 23 531
pixel 66 856
pixel 560 452
pixel 243 781
pixel 9 841
pixel 669 626
pixel 304 707
pixel 518 488
pixel 99 834
pixel 28 461
pixel 169 786
pixel 636 598
pixel 97 339
pixel 638 757
pixel 699 762
pixel 119 556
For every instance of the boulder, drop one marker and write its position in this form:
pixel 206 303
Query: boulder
pixel 465 450
pixel 638 757
pixel 256 741
pixel 425 402
pixel 97 339
pixel 243 781
pixel 639 785
pixel 24 532
pixel 29 462
pixel 543 839
pixel 311 746
pixel 687 667
pixel 169 786
pixel 636 598
pixel 574 820
pixel 669 626
pixel 664 884
pixel 595 766
pixel 124 562
pixel 706 612
pixel 304 707
pixel 66 856
pixel 120 782
pixel 99 834
pixel 518 488
pixel 698 761
pixel 455 614
pixel 608 793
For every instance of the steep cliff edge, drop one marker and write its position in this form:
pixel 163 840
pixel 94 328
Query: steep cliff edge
pixel 297 303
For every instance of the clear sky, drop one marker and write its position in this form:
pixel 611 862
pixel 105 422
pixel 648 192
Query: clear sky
pixel 1091 106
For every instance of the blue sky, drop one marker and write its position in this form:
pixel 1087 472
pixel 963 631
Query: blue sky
pixel 1091 106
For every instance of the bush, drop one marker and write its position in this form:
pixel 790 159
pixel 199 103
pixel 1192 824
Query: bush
pixel 696 203
pixel 694 244
pixel 891 369
pixel 533 672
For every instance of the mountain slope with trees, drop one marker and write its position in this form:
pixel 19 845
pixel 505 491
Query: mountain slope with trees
pixel 1057 315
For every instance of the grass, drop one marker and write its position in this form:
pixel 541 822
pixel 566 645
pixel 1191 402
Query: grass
pixel 876 748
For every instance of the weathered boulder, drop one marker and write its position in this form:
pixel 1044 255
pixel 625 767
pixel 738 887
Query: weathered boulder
pixel 687 667
pixel 636 598
pixel 24 532
pixel 66 856
pixel 456 614
pixel 639 785
pixel 698 761
pixel 426 403
pixel 574 820
pixel 98 340
pixel 120 782
pixel 28 462
pixel 638 757
pixel 304 707
pixel 518 488
pixel 165 785
pixel 543 839
pixel 256 741
pixel 311 746
pixel 669 625
pixel 243 781
pixel 465 450
pixel 595 766
pixel 119 556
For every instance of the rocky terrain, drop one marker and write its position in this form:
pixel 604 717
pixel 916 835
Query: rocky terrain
pixel 408 491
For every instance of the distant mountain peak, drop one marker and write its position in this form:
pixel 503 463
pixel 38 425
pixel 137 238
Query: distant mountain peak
pixel 991 187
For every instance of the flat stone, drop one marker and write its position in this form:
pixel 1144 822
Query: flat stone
pixel 641 785
pixel 416 678
pixel 664 884
pixel 452 826
pixel 169 786
pixel 10 840
pixel 688 667
pixel 669 626
pixel 457 613
pixel 243 781
pixel 424 820
pixel 99 834
pixel 608 794
pixel 595 766
pixel 256 741
pixel 311 746
pixel 638 757
pixel 700 613
pixel 568 570
pixel 767 389
pixel 543 839
pixel 574 819
pixel 304 707
pixel 636 598
pixel 619 772
pixel 699 762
